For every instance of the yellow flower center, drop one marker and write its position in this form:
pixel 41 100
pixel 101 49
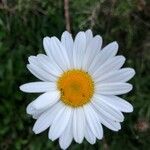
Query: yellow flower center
pixel 76 86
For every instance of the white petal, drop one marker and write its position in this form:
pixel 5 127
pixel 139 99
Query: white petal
pixel 45 120
pixel 92 49
pixel 35 61
pixel 113 88
pixel 67 136
pixel 67 42
pixel 46 100
pixel 121 75
pixel 89 36
pixel 30 110
pixel 60 123
pixel 90 137
pixel 93 121
pixel 47 46
pixel 38 87
pixel 112 64
pixel 37 115
pixel 59 53
pixel 35 72
pixel 111 46
pixel 103 56
pixel 78 125
pixel 40 73
pixel 106 109
pixel 48 49
pixel 117 103
pixel 49 65
pixel 34 112
pixel 79 49
pixel 36 69
pixel 112 125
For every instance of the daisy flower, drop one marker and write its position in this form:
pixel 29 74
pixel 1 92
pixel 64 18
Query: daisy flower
pixel 80 82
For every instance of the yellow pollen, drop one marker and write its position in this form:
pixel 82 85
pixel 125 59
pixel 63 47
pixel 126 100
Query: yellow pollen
pixel 76 87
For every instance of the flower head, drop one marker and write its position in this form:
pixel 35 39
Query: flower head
pixel 80 82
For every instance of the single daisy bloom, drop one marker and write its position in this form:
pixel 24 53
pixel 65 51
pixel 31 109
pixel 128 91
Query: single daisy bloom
pixel 80 82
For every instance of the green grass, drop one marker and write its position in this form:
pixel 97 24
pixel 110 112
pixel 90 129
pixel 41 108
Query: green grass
pixel 24 23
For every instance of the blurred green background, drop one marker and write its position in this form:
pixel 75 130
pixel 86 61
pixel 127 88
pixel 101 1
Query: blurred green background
pixel 24 23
